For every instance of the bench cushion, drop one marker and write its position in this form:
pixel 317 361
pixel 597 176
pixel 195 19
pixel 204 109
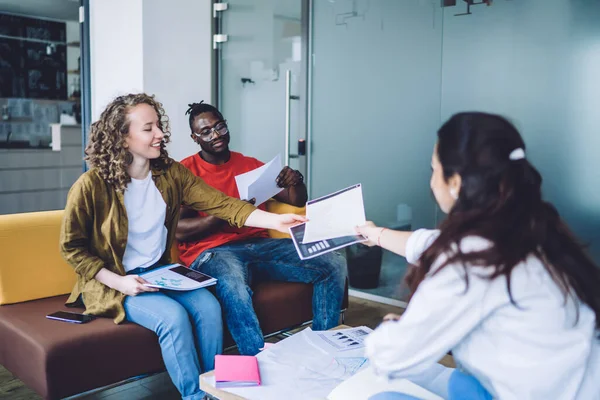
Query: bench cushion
pixel 59 359
pixel 32 267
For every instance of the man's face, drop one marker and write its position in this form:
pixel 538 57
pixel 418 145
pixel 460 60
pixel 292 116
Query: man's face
pixel 211 133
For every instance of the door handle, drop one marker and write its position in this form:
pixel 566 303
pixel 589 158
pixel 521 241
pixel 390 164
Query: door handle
pixel 288 89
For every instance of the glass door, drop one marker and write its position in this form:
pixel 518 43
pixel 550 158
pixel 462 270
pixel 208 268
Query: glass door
pixel 261 76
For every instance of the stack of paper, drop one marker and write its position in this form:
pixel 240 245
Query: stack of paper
pixel 305 366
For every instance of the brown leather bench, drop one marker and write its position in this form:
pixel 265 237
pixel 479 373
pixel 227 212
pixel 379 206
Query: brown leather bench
pixel 57 359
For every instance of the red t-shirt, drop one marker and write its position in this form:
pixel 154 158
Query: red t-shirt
pixel 221 177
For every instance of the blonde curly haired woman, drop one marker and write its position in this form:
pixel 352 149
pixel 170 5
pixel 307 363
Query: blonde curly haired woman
pixel 120 220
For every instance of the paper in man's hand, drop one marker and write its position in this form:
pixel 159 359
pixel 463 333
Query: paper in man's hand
pixel 260 183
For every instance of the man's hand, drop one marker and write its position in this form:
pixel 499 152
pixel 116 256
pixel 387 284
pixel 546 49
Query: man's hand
pixel 132 285
pixel 289 177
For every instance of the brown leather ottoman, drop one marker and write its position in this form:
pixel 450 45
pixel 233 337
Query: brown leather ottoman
pixel 58 359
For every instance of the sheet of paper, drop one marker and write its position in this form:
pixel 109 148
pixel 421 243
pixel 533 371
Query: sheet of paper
pixel 295 369
pixel 260 182
pixel 366 383
pixel 334 215
pixel 352 364
pixel 340 340
pixel 265 187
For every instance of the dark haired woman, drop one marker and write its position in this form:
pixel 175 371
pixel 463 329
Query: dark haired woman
pixel 503 283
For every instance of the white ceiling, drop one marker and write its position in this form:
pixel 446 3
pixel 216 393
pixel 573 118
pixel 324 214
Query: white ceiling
pixel 67 10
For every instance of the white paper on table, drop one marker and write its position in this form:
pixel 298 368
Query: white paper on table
pixel 334 215
pixel 366 383
pixel 296 369
pixel 260 182
pixel 340 340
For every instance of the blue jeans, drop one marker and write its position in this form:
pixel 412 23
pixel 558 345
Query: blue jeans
pixel 460 387
pixel 189 329
pixel 239 265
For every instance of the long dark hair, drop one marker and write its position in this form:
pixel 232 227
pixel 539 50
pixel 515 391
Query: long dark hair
pixel 501 200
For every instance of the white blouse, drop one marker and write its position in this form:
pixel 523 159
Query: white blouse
pixel 535 350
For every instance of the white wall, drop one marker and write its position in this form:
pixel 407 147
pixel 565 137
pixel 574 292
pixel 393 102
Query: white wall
pixel 116 46
pixel 161 48
pixel 178 62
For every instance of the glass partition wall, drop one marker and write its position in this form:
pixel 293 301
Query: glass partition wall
pixel 375 108
pixel 372 80
pixel 387 73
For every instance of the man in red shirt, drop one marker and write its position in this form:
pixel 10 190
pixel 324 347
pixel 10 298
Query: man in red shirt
pixel 238 257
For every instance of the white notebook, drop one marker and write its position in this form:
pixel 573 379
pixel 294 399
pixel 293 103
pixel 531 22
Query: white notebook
pixel 365 384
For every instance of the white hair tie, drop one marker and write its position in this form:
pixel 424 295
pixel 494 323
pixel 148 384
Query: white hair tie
pixel 517 154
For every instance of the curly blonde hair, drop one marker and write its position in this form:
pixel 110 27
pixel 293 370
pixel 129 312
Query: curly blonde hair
pixel 105 150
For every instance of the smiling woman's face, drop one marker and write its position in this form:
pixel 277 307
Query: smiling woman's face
pixel 145 137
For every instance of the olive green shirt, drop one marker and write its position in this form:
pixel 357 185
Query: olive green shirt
pixel 94 229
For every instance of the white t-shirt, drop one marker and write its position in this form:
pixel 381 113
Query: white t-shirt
pixel 147 234
pixel 536 351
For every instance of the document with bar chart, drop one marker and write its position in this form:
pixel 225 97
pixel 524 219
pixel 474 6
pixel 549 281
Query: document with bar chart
pixel 311 250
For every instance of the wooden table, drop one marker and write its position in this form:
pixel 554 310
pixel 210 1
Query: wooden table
pixel 222 394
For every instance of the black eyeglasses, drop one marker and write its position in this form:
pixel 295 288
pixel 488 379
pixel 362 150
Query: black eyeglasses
pixel 206 134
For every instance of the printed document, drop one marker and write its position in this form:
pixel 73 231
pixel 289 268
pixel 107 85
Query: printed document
pixel 260 183
pixel 315 249
pixel 334 215
pixel 341 339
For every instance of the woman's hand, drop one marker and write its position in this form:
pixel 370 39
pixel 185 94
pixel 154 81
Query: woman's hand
pixel 132 285
pixel 283 222
pixel 371 232
pixel 267 220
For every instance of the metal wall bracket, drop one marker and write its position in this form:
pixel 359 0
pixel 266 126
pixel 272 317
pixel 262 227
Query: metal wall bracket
pixel 219 7
pixel 219 38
